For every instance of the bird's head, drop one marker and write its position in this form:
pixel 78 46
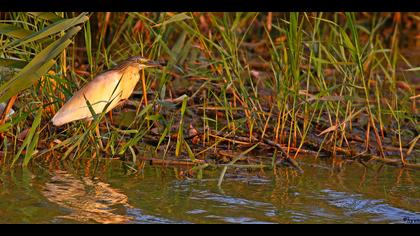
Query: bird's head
pixel 142 62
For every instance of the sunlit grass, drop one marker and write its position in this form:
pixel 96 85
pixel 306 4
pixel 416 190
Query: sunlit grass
pixel 329 82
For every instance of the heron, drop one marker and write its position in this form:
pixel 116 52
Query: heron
pixel 102 94
pixel 106 91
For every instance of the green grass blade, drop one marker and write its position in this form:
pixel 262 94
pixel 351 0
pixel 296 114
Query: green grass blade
pixel 30 149
pixel 180 138
pixel 38 66
pixel 52 29
pixel 13 63
pixel 175 18
pixel 29 137
pixel 88 43
pixel 50 16
pixel 14 31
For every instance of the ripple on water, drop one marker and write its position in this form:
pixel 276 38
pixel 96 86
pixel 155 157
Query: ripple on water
pixel 355 204
pixel 237 207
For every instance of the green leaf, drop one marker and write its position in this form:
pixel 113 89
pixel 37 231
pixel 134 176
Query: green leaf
pixel 347 41
pixel 50 16
pixel 175 18
pixel 166 104
pixel 38 66
pixel 91 110
pixel 5 127
pixel 28 140
pixel 14 31
pixel 184 106
pixel 30 149
pixel 88 43
pixel 180 138
pixel 12 63
pixel 189 151
pixel 154 117
pixel 54 28
pixel 23 81
pixel 179 45
pixel 76 144
pixel 163 136
pixel 145 110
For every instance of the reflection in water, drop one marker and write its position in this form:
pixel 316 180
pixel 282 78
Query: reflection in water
pixel 324 193
pixel 88 200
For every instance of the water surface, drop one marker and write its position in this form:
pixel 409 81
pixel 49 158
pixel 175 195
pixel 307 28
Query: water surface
pixel 327 192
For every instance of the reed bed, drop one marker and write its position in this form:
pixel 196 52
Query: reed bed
pixel 240 90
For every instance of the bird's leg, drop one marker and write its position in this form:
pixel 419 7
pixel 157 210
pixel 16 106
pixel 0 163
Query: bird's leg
pixel 120 103
pixel 143 83
pixel 98 134
pixel 110 117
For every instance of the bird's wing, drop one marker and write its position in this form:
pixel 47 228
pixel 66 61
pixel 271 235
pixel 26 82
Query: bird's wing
pixel 103 89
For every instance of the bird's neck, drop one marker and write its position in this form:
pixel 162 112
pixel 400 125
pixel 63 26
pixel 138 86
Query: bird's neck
pixel 131 73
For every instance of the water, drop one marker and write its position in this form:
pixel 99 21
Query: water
pixel 327 192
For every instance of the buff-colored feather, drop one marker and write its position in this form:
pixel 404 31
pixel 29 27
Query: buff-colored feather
pixel 111 87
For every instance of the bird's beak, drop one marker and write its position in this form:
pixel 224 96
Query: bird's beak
pixel 151 63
